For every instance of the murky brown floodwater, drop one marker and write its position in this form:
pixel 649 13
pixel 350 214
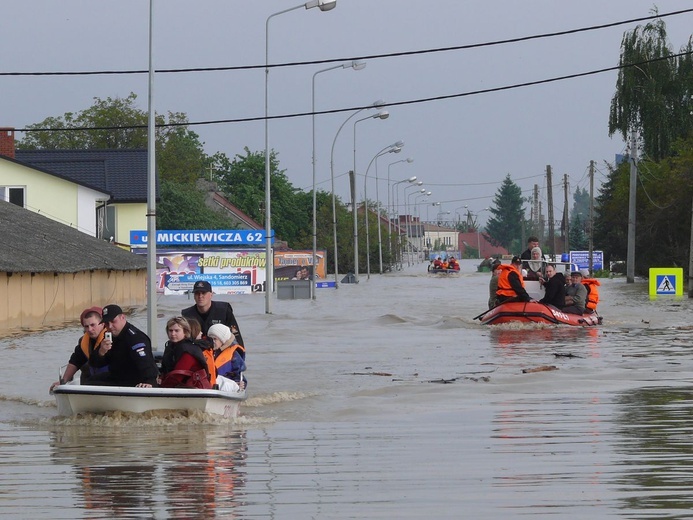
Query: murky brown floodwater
pixel 381 400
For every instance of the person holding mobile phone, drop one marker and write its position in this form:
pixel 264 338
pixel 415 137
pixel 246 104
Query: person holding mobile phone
pixel 128 354
pixel 94 334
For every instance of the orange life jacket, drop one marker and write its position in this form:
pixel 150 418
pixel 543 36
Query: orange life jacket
pixel 592 293
pixel 226 355
pixel 208 354
pixel 84 343
pixel 504 287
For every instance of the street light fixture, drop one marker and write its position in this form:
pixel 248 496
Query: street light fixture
pixel 355 65
pixel 478 232
pixel 323 5
pixel 396 148
pixel 409 217
pixel 383 114
pixel 396 210
pixel 389 206
pixel 420 229
pixel 393 148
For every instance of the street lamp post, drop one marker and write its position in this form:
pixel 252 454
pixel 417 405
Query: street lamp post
pixel 409 217
pixel 323 5
pixel 395 212
pixel 389 207
pixel 419 227
pixel 355 65
pixel 393 148
pixel 478 232
pixel 396 149
pixel 356 229
pixel 382 114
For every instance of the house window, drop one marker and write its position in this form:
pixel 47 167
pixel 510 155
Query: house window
pixel 13 195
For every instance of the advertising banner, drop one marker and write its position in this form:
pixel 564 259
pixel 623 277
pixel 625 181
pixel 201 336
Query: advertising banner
pixel 582 259
pixel 228 272
pixel 298 265
pixel 231 272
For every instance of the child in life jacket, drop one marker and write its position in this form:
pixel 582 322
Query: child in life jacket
pixel 229 358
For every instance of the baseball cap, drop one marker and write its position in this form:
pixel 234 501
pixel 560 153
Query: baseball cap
pixel 202 286
pixel 516 260
pixel 576 273
pixel 110 312
pixel 97 310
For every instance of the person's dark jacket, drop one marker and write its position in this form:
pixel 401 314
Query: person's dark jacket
pixel 555 291
pixel 174 351
pixel 130 360
pixel 219 312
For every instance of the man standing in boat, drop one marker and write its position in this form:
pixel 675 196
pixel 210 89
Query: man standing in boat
pixel 207 312
pixel 128 353
pixel 510 284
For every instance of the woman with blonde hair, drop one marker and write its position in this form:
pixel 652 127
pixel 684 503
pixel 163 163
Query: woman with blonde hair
pixel 184 363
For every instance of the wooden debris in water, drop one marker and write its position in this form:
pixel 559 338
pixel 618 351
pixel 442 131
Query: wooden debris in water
pixel 543 368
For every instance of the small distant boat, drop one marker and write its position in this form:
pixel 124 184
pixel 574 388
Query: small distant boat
pixel 73 398
pixel 535 312
pixel 444 271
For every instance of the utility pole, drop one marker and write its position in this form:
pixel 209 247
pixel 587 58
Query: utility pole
pixel 630 259
pixel 590 243
pixel 549 203
pixel 535 210
pixel 690 261
pixel 566 216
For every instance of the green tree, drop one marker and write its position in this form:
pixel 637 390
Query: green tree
pixel 578 238
pixel 581 204
pixel 652 98
pixel 242 180
pixel 504 228
pixel 183 207
pixel 663 211
pixel 117 123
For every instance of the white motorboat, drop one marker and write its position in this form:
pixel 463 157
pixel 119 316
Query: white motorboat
pixel 73 398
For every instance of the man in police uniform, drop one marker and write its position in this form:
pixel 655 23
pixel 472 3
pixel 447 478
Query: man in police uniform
pixel 128 354
pixel 207 312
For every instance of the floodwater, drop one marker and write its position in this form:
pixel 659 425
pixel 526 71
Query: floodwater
pixel 380 400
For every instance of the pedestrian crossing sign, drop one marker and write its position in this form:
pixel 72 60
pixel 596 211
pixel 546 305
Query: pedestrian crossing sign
pixel 665 281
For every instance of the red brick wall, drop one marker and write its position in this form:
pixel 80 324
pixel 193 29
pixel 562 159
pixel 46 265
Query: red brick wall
pixel 7 142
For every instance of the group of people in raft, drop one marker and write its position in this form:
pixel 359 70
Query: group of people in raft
pixel 444 264
pixel 204 349
pixel 578 295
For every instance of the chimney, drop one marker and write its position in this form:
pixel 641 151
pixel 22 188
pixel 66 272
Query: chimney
pixel 7 142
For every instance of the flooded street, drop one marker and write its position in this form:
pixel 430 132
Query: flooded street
pixel 380 400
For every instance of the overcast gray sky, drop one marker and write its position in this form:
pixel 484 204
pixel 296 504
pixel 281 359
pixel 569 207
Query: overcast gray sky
pixel 462 147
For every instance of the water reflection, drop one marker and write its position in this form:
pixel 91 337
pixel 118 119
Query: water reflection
pixel 654 443
pixel 153 469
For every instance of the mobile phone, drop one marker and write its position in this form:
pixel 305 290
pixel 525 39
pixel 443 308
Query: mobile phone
pixel 108 336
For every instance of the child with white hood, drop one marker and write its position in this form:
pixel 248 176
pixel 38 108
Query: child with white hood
pixel 229 358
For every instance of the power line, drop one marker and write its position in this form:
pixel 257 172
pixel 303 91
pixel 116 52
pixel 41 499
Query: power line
pixel 363 57
pixel 351 109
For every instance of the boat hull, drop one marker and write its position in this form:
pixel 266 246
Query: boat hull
pixel 444 271
pixel 535 312
pixel 73 399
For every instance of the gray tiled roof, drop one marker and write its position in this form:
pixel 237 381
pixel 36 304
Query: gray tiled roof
pixel 123 173
pixel 30 242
